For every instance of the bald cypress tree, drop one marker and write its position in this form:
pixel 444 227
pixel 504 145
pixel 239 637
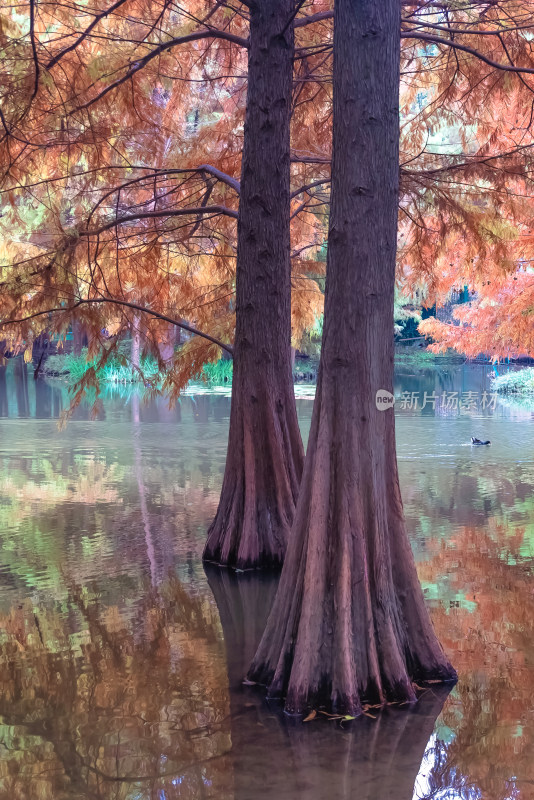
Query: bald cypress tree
pixel 349 624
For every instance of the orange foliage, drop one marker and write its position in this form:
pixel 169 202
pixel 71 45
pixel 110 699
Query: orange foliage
pixel 120 146
pixel 123 132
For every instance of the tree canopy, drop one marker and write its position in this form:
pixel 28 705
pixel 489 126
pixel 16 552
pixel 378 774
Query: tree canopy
pixel 121 142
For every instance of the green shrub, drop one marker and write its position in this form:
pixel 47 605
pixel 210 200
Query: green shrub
pixel 218 373
pixel 519 381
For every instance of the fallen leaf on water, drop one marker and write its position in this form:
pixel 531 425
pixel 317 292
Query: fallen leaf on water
pixel 246 682
pixel 310 716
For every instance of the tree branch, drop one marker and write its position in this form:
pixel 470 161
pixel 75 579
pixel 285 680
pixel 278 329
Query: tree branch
pixel 319 17
pixel 308 187
pixel 296 158
pixel 427 37
pixel 34 48
pixel 211 33
pixel 53 61
pixel 221 176
pixel 466 31
pixel 66 309
pixel 177 212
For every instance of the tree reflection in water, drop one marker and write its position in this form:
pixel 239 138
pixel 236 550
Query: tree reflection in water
pixel 94 706
pixel 490 628
pixel 116 682
pixel 100 705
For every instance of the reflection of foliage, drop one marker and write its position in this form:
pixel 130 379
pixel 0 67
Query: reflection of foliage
pixel 444 781
pixel 73 512
pixel 34 490
pixel 95 704
pixel 492 636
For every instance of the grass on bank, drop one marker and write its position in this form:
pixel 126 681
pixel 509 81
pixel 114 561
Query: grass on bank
pixel 120 370
pixel 421 357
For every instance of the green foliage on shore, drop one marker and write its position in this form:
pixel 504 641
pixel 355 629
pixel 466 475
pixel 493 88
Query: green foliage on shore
pixel 421 357
pixel 119 369
pixel 218 373
pixel 519 381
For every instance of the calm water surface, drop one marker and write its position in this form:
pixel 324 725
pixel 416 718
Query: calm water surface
pixel 121 659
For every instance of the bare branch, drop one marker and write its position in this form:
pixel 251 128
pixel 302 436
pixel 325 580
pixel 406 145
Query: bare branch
pixel 210 33
pixel 177 212
pixel 135 306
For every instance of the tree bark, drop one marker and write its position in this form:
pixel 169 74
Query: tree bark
pixel 349 624
pixel 79 337
pixel 265 452
pixel 136 341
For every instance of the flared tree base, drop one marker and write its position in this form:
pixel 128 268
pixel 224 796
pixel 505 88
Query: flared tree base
pixel 261 480
pixel 349 626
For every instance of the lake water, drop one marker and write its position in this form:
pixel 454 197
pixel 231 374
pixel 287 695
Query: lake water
pixel 121 659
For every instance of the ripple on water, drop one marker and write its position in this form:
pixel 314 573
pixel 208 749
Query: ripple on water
pixel 121 661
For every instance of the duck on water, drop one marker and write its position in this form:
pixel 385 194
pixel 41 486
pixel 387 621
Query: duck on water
pixel 477 441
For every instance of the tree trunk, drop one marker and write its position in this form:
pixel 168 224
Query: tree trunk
pixel 135 355
pixel 265 453
pixel 79 337
pixel 349 624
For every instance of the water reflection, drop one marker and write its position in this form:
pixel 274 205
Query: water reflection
pixel 120 668
pixel 490 627
pixel 133 700
pixel 94 704
pixel 4 408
